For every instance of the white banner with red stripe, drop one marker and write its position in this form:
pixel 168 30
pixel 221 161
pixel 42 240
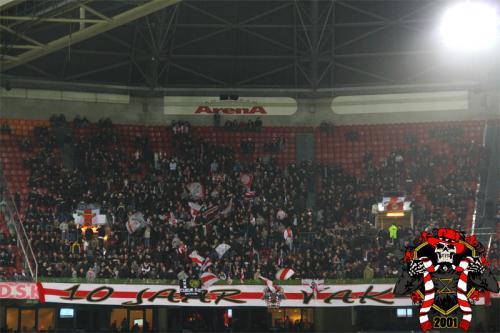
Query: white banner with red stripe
pixel 224 295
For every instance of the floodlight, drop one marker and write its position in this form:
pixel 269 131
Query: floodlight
pixel 470 26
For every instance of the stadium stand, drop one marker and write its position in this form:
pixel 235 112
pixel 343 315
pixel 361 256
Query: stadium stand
pixel 128 168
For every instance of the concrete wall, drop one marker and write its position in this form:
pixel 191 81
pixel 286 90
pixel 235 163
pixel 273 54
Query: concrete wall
pixel 311 112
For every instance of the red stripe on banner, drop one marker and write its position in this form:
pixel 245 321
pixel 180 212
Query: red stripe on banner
pixel 41 292
pixel 487 298
pixel 427 277
pixel 55 292
pixel 283 274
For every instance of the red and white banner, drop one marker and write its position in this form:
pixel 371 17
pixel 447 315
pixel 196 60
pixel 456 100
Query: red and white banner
pixel 89 217
pixel 18 290
pixel 226 295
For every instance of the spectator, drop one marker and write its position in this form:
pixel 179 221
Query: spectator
pixel 5 129
pixel 368 273
pixel 217 119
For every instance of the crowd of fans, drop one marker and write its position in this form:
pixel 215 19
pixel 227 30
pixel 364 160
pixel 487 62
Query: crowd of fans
pixel 275 146
pixel 238 126
pixel 335 239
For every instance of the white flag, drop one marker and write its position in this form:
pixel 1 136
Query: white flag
pixel 222 249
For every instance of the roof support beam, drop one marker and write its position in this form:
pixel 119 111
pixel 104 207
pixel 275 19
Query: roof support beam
pixel 95 12
pixel 49 19
pixel 20 46
pixel 19 35
pixel 98 28
pixel 6 4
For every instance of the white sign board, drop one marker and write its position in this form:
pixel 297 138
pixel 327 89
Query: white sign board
pixel 246 106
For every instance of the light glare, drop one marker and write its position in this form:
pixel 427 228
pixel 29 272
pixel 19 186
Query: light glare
pixel 470 26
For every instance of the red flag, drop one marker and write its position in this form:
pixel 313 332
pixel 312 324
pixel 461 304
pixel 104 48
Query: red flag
pixel 195 209
pixel 208 279
pixel 246 179
pixel 284 274
pixel 196 258
pixel 207 263
pixel 269 284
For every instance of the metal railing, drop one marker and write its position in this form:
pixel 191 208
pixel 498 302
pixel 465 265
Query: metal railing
pixel 13 218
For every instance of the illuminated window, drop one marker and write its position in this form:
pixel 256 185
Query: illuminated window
pixel 28 320
pixel 46 319
pixel 292 319
pixel 12 316
pixel 118 317
pixel 149 318
pixel 136 317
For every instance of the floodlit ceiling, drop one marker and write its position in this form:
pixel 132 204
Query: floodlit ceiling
pixel 226 44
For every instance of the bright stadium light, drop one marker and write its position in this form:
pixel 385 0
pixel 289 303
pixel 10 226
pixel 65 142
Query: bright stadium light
pixel 470 26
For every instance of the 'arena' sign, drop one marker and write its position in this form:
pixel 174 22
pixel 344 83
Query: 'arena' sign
pixel 251 106
pixel 252 110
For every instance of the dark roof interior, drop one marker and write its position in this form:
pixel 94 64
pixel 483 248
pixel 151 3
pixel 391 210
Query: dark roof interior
pixel 236 44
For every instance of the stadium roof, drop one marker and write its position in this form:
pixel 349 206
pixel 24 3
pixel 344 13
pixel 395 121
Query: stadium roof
pixel 225 44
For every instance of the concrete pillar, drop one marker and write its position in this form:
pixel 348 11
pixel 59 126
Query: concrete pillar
pixel 2 316
pixel 162 319
pixel 320 321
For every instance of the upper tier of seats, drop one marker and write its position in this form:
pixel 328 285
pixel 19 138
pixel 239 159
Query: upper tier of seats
pixel 344 146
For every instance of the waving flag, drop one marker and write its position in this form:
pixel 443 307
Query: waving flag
pixel 228 209
pixel 246 179
pixel 135 222
pixel 195 209
pixel 206 263
pixel 196 258
pixel 269 284
pixel 222 249
pixel 288 234
pixel 208 279
pixel 172 220
pixel 89 217
pixel 196 190
pixel 200 261
pixel 315 285
pixel 284 274
pixel 211 212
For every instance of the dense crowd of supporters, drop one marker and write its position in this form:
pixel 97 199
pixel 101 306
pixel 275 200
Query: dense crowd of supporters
pixel 266 220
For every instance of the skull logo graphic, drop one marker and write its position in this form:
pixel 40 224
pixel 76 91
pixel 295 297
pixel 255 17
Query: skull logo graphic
pixel 445 252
